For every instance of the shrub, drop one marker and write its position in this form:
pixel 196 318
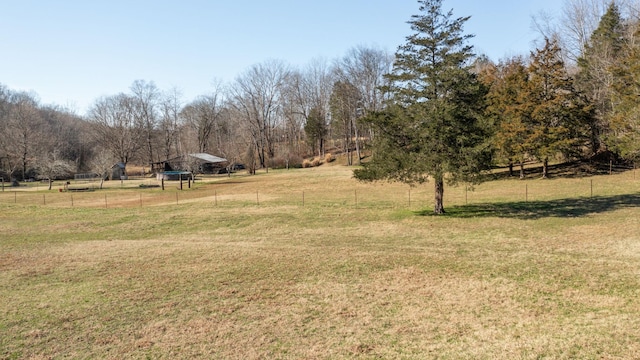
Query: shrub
pixel 295 161
pixel 278 163
pixel 316 161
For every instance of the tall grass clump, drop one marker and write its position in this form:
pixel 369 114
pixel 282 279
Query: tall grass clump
pixel 328 157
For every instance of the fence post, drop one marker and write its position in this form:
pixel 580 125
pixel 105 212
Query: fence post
pixel 71 200
pixel 409 198
pixel 215 197
pixel 610 167
pixel 526 192
pixel 44 199
pixel 302 198
pixel 258 197
pixel 105 202
pixel 356 196
pixel 591 187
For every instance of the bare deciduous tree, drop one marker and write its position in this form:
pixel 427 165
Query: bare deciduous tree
pixel 257 95
pixel 51 166
pixel 345 100
pixel 145 102
pixel 308 98
pixel 578 20
pixel 202 116
pixel 364 68
pixel 24 127
pixel 5 106
pixel 237 140
pixel 115 126
pixel 170 122
pixel 101 164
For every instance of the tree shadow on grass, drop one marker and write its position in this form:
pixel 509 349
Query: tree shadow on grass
pixel 531 210
pixel 571 169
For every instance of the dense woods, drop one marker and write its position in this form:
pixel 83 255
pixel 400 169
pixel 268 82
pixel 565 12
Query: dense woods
pixel 574 96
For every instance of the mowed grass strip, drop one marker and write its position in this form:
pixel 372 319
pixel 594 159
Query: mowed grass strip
pixel 555 276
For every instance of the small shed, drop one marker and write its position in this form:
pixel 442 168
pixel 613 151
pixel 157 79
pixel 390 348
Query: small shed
pixel 118 172
pixel 208 163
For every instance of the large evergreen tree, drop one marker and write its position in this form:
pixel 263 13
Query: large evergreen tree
pixel 508 109
pixel 316 129
pixel 559 114
pixel 434 126
pixel 624 135
pixel 596 76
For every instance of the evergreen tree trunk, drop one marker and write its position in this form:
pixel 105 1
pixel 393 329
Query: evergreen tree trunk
pixel 545 168
pixel 595 140
pixel 439 195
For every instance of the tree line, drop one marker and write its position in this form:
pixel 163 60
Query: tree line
pixel 434 109
pixel 452 114
pixel 272 115
pixel 574 102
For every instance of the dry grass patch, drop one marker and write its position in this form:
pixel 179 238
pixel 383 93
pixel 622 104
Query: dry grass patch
pixel 327 280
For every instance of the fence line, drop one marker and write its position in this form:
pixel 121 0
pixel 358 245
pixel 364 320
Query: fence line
pixel 360 197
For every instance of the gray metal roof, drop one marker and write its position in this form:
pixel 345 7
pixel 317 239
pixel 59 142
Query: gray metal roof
pixel 208 158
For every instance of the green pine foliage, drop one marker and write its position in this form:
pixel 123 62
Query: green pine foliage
pixel 507 108
pixel 536 110
pixel 558 114
pixel 624 135
pixel 434 127
pixel 596 76
pixel 316 129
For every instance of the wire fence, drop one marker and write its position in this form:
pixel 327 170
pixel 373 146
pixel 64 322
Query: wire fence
pixel 358 196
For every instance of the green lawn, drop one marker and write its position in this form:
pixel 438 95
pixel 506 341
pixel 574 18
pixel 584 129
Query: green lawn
pixel 311 264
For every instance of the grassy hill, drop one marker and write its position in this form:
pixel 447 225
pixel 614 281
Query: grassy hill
pixel 309 263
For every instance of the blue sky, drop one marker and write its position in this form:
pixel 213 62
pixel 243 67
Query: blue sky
pixel 71 52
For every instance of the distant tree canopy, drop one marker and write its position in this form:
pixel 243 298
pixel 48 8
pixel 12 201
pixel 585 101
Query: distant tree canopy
pixel 432 111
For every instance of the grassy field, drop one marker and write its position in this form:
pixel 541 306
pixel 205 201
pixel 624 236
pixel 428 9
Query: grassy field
pixel 311 264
